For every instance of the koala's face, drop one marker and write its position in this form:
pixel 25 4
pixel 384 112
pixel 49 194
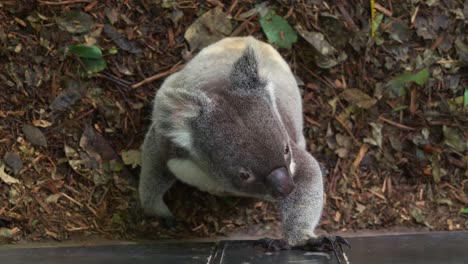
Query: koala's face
pixel 245 145
pixel 232 129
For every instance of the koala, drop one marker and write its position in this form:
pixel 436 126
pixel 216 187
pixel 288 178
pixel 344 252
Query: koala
pixel 230 123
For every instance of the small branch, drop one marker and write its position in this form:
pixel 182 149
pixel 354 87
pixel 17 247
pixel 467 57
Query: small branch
pixel 343 124
pixel 384 10
pixel 71 199
pixel 438 42
pixel 312 121
pixel 347 17
pixel 241 27
pixel 360 156
pixel 114 79
pixel 231 8
pixel 323 80
pixel 396 124
pixel 158 76
pixel 66 2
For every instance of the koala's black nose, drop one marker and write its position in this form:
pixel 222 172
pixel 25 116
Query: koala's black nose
pixel 281 183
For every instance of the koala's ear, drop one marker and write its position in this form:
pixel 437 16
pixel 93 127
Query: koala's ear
pixel 176 109
pixel 244 75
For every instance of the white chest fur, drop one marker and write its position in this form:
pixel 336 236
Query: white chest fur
pixel 190 173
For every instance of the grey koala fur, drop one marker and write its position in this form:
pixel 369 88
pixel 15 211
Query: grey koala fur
pixel 235 109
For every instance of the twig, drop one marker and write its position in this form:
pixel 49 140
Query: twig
pixel 413 102
pixel 343 124
pixel 379 195
pixel 241 27
pixel 42 204
pixel 71 120
pixel 357 161
pixel 323 80
pixel 358 181
pixel 362 152
pixel 438 42
pixel 396 124
pixel 312 121
pixel 231 8
pixel 216 2
pixel 384 10
pixel 347 17
pixel 66 2
pixel 71 199
pixel 158 76
pixel 114 79
pixel 413 16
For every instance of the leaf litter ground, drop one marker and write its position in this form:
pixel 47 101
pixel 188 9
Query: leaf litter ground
pixel 385 116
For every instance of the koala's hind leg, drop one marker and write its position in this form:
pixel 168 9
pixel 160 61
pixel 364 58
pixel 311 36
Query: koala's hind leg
pixel 155 179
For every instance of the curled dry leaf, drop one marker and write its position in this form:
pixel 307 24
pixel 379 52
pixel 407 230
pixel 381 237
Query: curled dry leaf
pixel 75 22
pixel 5 177
pixel 41 123
pixel 209 28
pixel 376 138
pixel 358 97
pixel 9 233
pixel 326 55
pixel 121 41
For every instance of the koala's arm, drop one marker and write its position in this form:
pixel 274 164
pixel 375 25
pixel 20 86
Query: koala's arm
pixel 302 209
pixel 155 179
pixel 169 131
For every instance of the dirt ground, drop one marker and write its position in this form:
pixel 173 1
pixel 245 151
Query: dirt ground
pixel 385 107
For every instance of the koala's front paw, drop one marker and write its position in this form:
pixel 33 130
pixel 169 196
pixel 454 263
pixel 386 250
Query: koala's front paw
pixel 272 244
pixel 168 223
pixel 326 243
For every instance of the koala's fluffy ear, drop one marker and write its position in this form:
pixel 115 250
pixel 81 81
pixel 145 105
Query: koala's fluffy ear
pixel 176 109
pixel 244 76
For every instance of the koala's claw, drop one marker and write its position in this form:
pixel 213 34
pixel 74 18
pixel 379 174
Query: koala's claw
pixel 273 244
pixel 327 243
pixel 168 223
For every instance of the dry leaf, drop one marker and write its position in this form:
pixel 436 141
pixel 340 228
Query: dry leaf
pixel 41 123
pixel 5 177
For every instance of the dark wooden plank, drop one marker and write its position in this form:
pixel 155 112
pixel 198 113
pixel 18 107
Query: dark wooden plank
pixel 430 248
pixel 171 253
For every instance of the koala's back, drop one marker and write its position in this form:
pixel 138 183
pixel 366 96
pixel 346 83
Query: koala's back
pixel 215 63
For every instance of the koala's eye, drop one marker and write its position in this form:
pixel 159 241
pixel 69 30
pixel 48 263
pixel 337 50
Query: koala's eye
pixel 286 150
pixel 244 176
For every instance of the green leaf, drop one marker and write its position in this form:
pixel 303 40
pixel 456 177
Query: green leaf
pixel 131 157
pixel 416 213
pixel 94 65
pixel 444 201
pixel 376 23
pixel 117 219
pixel 83 51
pixel 464 211
pixel 454 138
pixel 465 100
pixel 397 84
pixel 113 50
pixel 91 56
pixel 277 30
